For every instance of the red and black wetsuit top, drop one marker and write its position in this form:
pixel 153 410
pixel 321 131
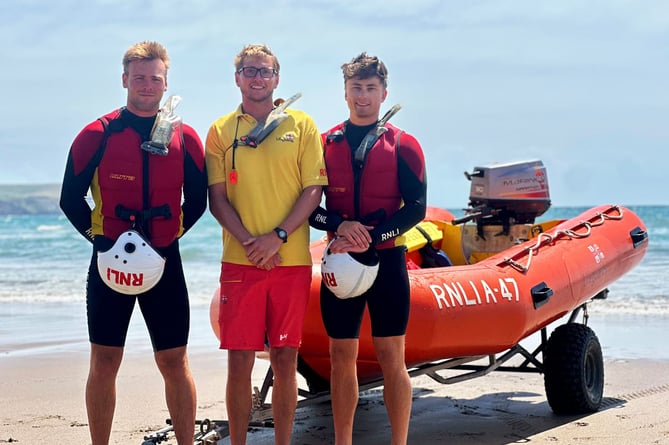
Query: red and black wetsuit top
pixel 169 193
pixel 386 190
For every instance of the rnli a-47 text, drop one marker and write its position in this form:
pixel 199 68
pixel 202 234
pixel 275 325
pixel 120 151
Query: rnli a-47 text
pixel 474 293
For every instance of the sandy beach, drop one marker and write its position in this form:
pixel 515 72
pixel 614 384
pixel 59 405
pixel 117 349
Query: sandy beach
pixel 43 401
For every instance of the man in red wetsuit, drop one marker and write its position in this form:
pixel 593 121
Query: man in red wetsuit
pixel 161 194
pixel 373 196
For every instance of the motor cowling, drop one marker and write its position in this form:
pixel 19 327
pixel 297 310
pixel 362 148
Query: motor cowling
pixel 507 193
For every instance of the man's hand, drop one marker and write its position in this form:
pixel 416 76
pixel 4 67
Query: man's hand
pixel 357 235
pixel 342 245
pixel 263 251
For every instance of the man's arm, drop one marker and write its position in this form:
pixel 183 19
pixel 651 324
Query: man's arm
pixel 195 181
pixel 264 247
pixel 413 188
pixel 82 161
pixel 305 205
pixel 322 219
pixel 73 198
pixel 225 214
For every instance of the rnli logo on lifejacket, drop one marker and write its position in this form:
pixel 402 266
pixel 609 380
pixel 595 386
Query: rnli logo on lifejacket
pixel 125 278
pixel 329 279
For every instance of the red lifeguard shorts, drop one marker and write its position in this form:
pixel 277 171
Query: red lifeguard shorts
pixel 259 307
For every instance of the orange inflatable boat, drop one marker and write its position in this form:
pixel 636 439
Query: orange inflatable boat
pixel 487 307
pixel 506 277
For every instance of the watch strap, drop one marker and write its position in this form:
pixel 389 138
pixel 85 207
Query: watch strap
pixel 281 233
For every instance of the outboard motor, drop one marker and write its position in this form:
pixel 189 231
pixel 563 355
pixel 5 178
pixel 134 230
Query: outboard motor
pixel 506 194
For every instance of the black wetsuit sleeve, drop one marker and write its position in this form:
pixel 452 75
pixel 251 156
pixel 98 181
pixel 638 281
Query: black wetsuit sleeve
pixel 413 188
pixel 322 219
pixel 73 193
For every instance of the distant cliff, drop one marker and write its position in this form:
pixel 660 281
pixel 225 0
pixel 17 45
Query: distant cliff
pixel 29 199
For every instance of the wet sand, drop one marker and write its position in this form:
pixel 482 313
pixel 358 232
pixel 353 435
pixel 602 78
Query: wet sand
pixel 42 401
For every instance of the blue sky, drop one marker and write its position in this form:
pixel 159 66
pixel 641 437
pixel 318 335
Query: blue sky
pixel 581 85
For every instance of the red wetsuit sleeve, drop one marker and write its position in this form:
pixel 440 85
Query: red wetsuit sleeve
pixel 79 171
pixel 195 179
pixel 321 218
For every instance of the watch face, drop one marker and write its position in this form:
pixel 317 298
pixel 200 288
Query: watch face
pixel 282 234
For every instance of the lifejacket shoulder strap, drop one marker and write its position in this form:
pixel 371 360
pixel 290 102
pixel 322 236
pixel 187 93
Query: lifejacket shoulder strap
pixel 397 142
pixel 115 125
pixel 334 136
pixel 370 138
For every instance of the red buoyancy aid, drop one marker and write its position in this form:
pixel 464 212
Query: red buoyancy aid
pixel 120 181
pixel 379 191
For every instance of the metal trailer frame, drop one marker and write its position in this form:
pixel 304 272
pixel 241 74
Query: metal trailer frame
pixel 210 431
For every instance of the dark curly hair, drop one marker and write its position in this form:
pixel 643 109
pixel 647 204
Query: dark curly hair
pixel 364 66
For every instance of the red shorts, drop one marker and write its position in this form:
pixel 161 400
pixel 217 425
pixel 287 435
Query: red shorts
pixel 262 305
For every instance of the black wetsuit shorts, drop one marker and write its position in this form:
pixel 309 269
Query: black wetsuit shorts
pixel 387 301
pixel 165 307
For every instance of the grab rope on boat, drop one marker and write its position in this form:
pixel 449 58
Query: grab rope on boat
pixel 547 238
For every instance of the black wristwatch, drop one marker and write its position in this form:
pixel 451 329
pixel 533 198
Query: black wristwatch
pixel 282 234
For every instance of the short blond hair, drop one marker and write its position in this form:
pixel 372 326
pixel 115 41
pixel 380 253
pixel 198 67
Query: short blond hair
pixel 255 50
pixel 145 51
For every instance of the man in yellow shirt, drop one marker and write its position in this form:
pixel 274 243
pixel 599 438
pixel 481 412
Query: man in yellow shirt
pixel 264 182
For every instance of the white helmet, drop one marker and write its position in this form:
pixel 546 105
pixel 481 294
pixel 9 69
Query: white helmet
pixel 131 266
pixel 349 275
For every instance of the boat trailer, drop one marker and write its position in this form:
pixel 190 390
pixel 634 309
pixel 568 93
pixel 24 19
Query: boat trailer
pixel 571 343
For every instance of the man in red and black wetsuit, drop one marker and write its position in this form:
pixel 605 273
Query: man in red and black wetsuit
pixel 165 193
pixel 372 197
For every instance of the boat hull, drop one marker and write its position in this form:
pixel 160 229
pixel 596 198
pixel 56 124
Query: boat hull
pixel 487 307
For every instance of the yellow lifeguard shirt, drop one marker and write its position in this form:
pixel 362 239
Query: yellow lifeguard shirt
pixel 269 178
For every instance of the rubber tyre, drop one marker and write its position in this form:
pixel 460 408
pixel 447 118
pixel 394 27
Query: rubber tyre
pixel 573 370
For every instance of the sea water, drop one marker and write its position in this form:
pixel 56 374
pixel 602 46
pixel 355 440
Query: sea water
pixel 44 261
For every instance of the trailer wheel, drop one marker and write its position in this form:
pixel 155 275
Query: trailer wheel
pixel 573 370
